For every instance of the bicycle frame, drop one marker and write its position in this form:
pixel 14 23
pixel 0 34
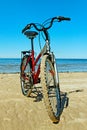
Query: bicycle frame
pixel 45 50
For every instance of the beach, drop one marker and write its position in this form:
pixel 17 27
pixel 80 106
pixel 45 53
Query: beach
pixel 18 112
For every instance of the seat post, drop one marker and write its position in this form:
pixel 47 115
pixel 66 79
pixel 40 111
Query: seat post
pixel 31 35
pixel 32 45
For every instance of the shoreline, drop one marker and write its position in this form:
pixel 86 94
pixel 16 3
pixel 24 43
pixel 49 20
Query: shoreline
pixel 58 72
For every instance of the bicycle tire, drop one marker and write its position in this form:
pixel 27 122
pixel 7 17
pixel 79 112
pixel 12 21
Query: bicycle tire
pixel 26 77
pixel 51 92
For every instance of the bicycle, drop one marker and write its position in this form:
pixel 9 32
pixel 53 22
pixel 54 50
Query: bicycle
pixel 46 72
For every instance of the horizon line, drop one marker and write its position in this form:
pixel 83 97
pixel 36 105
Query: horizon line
pixel 55 58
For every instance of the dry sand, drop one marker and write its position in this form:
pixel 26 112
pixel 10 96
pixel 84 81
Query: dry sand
pixel 18 112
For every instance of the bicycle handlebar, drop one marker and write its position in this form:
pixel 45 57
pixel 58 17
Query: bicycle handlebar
pixel 29 26
pixel 60 18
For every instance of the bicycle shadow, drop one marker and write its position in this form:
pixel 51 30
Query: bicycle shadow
pixel 64 104
pixel 76 91
pixel 65 98
pixel 38 96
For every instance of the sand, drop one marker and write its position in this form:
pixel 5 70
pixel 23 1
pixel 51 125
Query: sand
pixel 18 112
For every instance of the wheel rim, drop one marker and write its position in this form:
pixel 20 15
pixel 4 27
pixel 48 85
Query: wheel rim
pixel 53 93
pixel 26 78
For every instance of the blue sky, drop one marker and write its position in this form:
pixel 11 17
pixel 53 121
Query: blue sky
pixel 68 39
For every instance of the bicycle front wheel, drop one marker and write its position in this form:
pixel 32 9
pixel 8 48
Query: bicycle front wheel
pixel 26 77
pixel 51 93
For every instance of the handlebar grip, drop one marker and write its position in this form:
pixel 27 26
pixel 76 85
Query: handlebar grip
pixel 60 18
pixel 26 27
pixel 67 19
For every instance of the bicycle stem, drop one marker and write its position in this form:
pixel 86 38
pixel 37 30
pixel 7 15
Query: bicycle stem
pixel 46 34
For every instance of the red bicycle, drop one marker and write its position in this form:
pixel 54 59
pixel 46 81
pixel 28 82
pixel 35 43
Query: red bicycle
pixel 46 72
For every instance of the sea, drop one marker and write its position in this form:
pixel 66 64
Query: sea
pixel 12 65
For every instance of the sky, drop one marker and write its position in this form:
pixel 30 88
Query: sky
pixel 68 38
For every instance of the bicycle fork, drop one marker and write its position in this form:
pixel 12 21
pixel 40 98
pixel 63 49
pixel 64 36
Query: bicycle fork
pixel 57 80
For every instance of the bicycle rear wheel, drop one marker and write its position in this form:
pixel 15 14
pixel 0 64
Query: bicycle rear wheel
pixel 26 76
pixel 51 93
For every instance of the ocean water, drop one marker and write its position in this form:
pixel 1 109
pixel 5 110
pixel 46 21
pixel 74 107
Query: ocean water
pixel 12 65
pixel 71 65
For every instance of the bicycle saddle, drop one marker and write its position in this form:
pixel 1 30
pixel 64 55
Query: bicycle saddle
pixel 31 34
